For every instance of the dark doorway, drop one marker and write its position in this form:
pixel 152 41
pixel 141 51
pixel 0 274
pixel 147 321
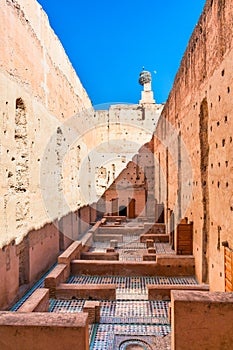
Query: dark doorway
pixel 123 210
pixel 172 227
pixel 160 208
pixel 131 211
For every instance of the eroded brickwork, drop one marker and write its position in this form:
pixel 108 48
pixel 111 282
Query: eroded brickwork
pixel 194 139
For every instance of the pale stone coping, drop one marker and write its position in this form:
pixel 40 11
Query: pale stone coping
pixel 41 319
pixel 39 296
pixel 70 250
pixel 202 297
pixel 87 287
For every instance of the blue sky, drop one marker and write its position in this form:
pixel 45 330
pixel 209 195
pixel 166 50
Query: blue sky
pixel 108 42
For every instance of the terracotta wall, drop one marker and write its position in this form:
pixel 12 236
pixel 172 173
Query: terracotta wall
pixel 136 182
pixel 209 318
pixel 193 141
pixel 24 263
pixel 36 330
pixel 9 272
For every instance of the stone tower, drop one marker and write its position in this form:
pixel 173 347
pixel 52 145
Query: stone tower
pixel 147 96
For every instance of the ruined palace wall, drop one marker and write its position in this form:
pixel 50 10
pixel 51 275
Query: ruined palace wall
pixel 135 182
pixel 195 132
pixel 39 90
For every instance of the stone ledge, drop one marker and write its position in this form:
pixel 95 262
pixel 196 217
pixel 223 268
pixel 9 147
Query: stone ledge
pixel 35 330
pixel 164 266
pixel 37 302
pixel 163 292
pixel 86 291
pixel 203 319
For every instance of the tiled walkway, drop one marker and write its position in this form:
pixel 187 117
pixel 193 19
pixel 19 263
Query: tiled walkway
pixel 131 287
pixel 131 317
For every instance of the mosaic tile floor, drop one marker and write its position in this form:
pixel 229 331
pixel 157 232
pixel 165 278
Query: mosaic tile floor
pixel 66 305
pixel 150 312
pixel 118 312
pixel 131 287
pixel 105 335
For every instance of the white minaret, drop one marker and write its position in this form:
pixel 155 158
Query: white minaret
pixel 147 95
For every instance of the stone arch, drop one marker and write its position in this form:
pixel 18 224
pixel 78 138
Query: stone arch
pixel 134 344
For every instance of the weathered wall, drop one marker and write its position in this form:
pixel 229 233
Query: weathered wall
pixel 38 91
pixel 135 182
pixel 194 139
pixel 206 325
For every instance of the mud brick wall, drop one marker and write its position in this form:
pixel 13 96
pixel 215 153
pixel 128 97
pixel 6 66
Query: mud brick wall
pixel 209 318
pixel 193 141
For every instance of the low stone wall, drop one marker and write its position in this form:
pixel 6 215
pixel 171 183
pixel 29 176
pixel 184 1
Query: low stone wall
pixel 155 228
pixel 158 238
pixel 99 256
pixel 114 218
pixel 87 291
pixel 164 266
pixel 58 275
pixel 37 302
pixel 163 292
pixel 104 237
pixel 201 320
pixel 71 253
pixel 149 257
pixel 114 230
pixel 35 330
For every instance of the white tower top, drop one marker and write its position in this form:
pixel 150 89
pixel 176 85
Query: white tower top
pixel 147 95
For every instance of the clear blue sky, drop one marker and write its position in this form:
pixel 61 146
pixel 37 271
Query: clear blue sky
pixel 108 42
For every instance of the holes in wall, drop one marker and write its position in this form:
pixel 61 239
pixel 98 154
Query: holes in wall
pixel 223 72
pixel 218 123
pixel 223 142
pixel 218 184
pixel 225 118
pixel 228 89
pixel 230 139
pixel 219 234
pixel 211 128
pixel 226 162
pixel 219 98
pixel 227 184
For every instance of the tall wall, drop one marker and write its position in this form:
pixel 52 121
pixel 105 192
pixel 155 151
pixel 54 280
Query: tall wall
pixel 39 90
pixel 49 138
pixel 193 141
